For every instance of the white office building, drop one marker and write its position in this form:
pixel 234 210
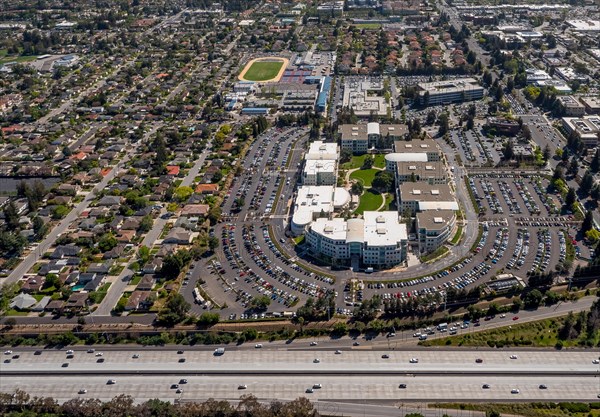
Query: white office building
pixel 320 167
pixel 378 240
pixel 449 91
pixel 313 202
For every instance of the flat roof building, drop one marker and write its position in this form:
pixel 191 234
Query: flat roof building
pixel 592 104
pixel 571 106
pixel 320 167
pixel 365 96
pixel 433 172
pixel 379 239
pixel 434 228
pixel 449 91
pixel 361 137
pixel 316 201
pixel 416 197
pixel 587 127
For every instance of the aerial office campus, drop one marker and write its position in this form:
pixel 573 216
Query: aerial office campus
pixel 292 208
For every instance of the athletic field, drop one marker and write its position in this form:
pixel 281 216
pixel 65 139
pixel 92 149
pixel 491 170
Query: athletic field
pixel 264 70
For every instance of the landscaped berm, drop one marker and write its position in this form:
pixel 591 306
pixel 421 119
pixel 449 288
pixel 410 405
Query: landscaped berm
pixel 264 69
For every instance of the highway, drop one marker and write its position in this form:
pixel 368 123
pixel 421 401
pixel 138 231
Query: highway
pixel 440 375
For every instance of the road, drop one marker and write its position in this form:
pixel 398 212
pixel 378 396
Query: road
pixel 440 375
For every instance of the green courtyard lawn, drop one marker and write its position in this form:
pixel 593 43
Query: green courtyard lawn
pixel 365 176
pixel 389 200
pixel 358 161
pixel 263 70
pixel 369 201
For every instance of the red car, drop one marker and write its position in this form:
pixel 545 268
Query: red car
pixel 516 318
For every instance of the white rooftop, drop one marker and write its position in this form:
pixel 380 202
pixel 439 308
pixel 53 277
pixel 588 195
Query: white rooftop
pixel 438 205
pixel 312 199
pixel 321 150
pixel 407 157
pixel 383 228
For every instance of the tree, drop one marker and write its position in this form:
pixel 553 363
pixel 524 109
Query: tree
pixel 11 216
pixel 175 310
pixel 146 224
pixel 508 151
pixel 107 242
pixel 357 188
pixel 174 263
pixel 144 254
pixel 345 156
pixel 261 302
pixel 588 222
pixel 40 229
pixel 209 319
pixel 570 198
pixel 183 193
pixel 383 181
pixel 60 211
pixel 587 182
pixel 573 166
pixel 214 215
pixel 533 299
pixel 595 164
pixel 444 123
pixel 546 154
pixel 213 243
pixel 368 162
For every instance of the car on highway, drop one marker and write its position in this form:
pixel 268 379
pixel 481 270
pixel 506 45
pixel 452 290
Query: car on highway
pixel 414 360
pixel 317 386
pixel 183 381
pixel 82 391
pixel 317 360
pixel 180 352
pixel 258 345
pixel 385 356
pixel 37 352
pixel 543 386
pixel 99 354
pixel 485 386
pixel 338 352
pixel 309 390
pixel 514 391
pixel 313 343
pixel 478 360
pixel 8 352
pixel 596 361
pixel 65 365
pixel 179 391
pixel 174 386
pixel 91 350
pixel 111 382
pixel 402 386
pixel 181 360
pixel 502 315
pixel 16 356
pixel 70 356
pixel 136 356
pixel 356 344
pixel 242 386
pixel 100 360
pixel 515 318
pixel 514 357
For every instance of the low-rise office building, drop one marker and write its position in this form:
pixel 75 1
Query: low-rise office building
pixel 378 240
pixel 362 137
pixel 449 91
pixel 320 167
pixel 313 202
pixel 570 106
pixel 428 172
pixel 434 228
pixel 416 197
pixel 586 127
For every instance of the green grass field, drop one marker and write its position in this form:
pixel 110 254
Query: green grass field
pixel 357 161
pixel 19 59
pixel 369 26
pixel 263 70
pixel 365 176
pixel 369 202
